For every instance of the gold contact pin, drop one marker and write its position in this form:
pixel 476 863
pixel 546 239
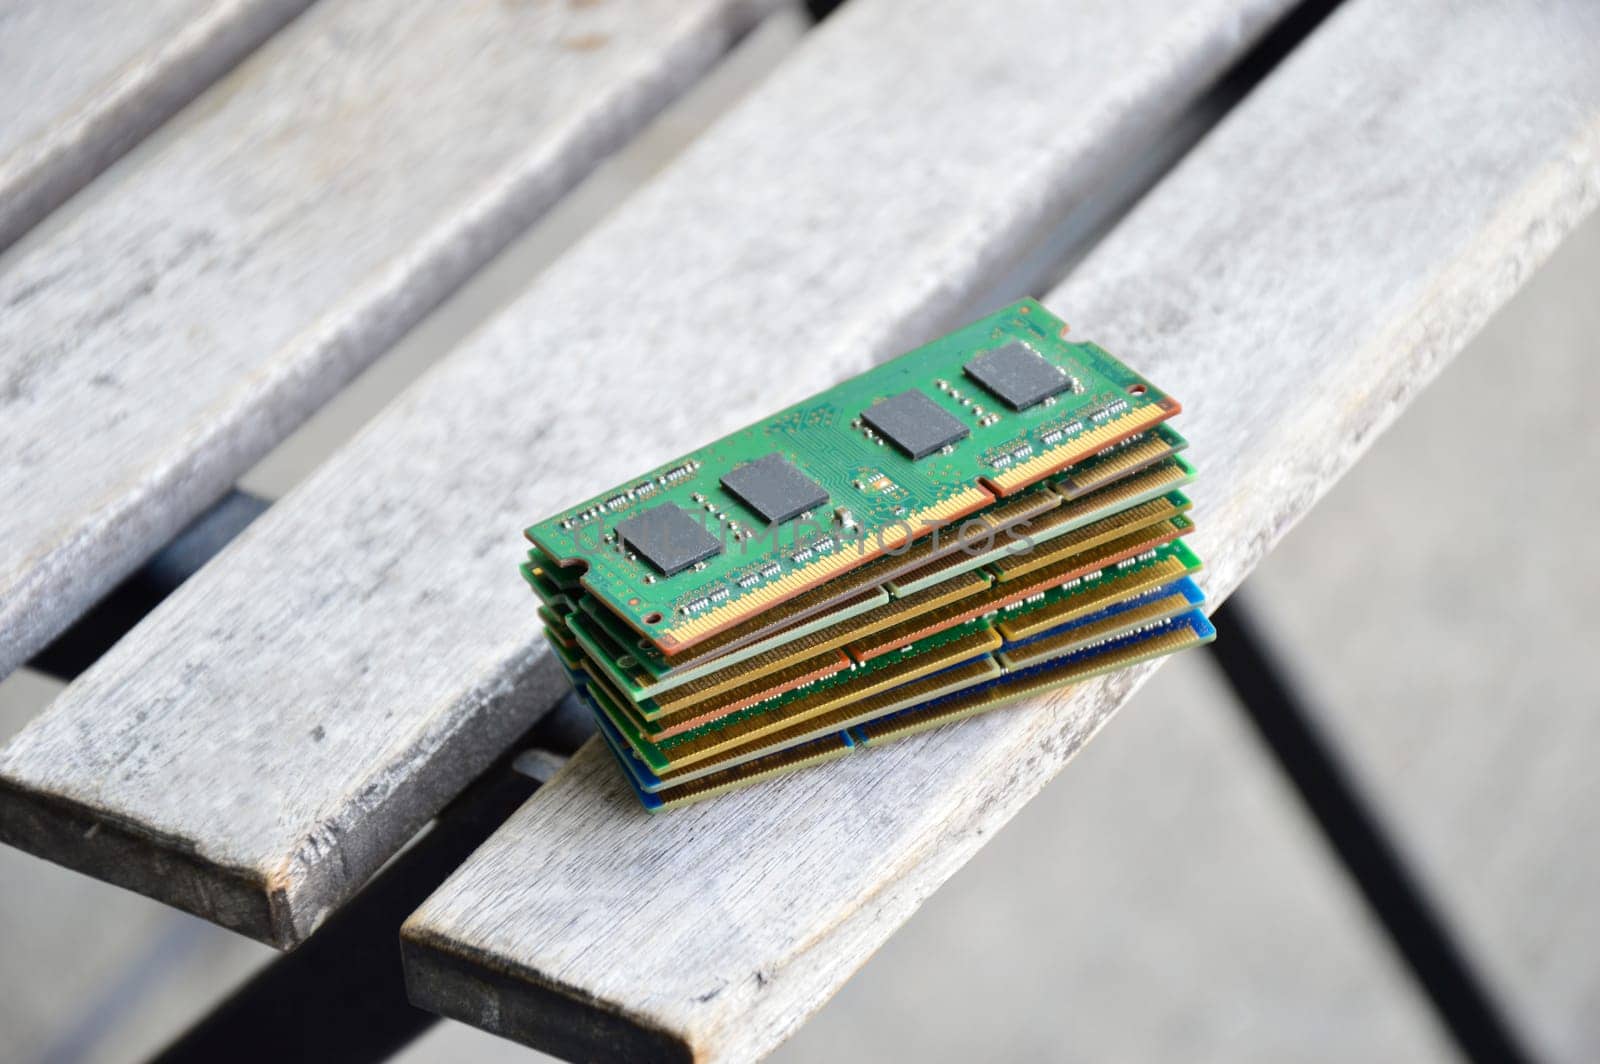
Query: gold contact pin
pixel 777 764
pixel 1160 477
pixel 1114 467
pixel 1014 551
pixel 701 713
pixel 1080 447
pixel 1112 589
pixel 738 733
pixel 1003 595
pixel 845 716
pixel 834 635
pixel 903 635
pixel 953 706
pixel 782 617
pixel 1097 534
pixel 1160 608
pixel 681 635
pixel 792 613
pixel 958 706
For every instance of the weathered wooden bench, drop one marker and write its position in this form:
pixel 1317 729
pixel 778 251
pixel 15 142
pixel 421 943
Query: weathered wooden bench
pixel 279 728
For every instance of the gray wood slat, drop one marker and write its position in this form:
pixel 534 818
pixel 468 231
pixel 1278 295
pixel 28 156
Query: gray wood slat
pixel 1295 281
pixel 1162 901
pixel 1467 704
pixel 318 202
pixel 84 80
pixel 274 731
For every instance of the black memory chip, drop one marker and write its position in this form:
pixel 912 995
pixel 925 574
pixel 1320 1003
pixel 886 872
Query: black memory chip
pixel 774 488
pixel 914 423
pixel 1018 374
pixel 668 538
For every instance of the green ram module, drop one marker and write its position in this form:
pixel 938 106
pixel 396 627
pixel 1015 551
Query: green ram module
pixel 969 642
pixel 643 672
pixel 637 668
pixel 934 702
pixel 1118 461
pixel 1079 598
pixel 640 671
pixel 758 517
pixel 963 641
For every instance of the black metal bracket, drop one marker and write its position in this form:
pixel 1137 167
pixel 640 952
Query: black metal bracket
pixel 341 995
pixel 1392 891
pixel 821 9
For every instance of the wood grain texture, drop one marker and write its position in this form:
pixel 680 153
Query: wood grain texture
pixel 1162 900
pixel 293 713
pixel 1295 281
pixel 321 199
pixel 1466 706
pixel 84 80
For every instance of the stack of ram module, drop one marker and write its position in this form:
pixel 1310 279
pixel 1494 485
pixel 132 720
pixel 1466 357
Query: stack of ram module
pixel 988 517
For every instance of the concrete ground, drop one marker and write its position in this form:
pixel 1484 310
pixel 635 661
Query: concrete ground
pixel 1166 898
